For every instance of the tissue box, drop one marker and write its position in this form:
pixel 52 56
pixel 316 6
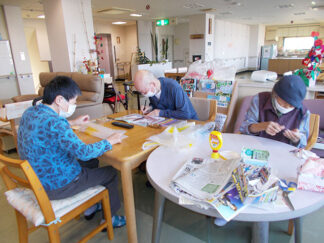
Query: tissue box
pixel 311 175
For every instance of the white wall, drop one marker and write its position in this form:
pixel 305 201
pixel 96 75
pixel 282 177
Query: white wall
pixel 209 38
pixel 166 32
pixel 197 25
pixel 3 27
pixel 144 30
pixel 131 41
pixel 257 33
pixel 232 43
pixel 71 36
pixel 37 65
pixel 9 87
pixel 19 49
pixel 57 36
pixel 39 26
pixel 181 45
pixel 79 31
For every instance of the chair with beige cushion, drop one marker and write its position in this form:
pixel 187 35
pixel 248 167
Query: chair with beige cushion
pixel 92 88
pixel 206 108
pixel 27 196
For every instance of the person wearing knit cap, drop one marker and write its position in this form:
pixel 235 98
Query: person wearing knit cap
pixel 280 114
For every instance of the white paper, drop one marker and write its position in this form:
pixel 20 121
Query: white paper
pixel 100 131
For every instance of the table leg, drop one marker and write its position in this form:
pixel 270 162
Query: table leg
pixel 298 230
pixel 260 232
pixel 129 203
pixel 209 228
pixel 159 201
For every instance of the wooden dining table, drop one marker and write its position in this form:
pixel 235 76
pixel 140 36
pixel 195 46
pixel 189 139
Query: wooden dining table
pixel 125 157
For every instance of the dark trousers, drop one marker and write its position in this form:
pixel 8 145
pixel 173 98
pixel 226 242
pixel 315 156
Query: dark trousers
pixel 91 176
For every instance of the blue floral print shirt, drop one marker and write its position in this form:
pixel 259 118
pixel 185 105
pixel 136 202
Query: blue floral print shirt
pixel 49 144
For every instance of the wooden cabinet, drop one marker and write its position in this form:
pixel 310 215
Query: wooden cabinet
pixel 280 66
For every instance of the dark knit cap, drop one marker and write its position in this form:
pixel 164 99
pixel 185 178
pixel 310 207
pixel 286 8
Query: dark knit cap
pixel 291 89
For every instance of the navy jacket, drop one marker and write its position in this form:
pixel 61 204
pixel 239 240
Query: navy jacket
pixel 174 102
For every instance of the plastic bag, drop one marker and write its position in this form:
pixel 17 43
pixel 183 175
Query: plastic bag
pixel 183 135
pixel 197 70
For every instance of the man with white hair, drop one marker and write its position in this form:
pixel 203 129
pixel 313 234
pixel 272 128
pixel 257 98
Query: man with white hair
pixel 167 98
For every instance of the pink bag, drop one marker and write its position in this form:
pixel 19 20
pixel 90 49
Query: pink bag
pixel 311 175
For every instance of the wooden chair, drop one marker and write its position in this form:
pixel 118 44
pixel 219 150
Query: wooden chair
pixel 17 108
pixel 206 108
pixel 228 111
pixel 32 182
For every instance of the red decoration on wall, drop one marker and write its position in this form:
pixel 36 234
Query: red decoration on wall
pixel 147 6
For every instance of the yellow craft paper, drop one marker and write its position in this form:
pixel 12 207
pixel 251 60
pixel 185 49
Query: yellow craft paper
pixel 90 130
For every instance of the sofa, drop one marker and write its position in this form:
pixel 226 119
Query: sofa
pixel 92 88
pixel 90 100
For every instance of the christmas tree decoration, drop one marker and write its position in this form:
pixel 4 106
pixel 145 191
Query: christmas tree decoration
pixel 312 62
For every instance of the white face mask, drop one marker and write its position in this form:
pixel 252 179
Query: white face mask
pixel 281 109
pixel 149 94
pixel 70 111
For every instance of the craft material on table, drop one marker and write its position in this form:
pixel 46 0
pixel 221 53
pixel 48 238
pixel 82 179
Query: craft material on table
pixel 100 131
pixel 255 156
pixel 311 175
pixel 141 120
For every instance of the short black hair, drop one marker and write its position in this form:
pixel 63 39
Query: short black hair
pixel 60 85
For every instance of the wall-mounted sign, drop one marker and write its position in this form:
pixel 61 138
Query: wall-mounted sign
pixel 197 36
pixel 162 22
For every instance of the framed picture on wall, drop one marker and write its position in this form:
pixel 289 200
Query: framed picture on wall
pixel 118 40
pixel 196 58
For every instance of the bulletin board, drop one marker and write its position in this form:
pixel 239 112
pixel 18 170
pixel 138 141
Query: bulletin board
pixel 7 67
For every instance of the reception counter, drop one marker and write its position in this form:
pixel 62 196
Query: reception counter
pixel 282 65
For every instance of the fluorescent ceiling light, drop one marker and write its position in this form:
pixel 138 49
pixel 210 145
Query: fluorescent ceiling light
pixel 41 16
pixel 119 22
pixel 313 3
pixel 136 15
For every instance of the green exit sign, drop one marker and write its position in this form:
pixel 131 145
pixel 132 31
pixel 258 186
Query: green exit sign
pixel 162 22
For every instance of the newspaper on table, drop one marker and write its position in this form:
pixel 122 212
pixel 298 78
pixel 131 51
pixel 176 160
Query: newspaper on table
pixel 100 131
pixel 207 181
pixel 141 120
pixel 226 185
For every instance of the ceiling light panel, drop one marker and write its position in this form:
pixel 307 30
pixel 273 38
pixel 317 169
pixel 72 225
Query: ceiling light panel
pixel 119 22
pixel 193 5
pixel 136 15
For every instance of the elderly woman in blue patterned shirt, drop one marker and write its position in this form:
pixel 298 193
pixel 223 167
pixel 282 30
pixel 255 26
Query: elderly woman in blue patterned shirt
pixel 63 163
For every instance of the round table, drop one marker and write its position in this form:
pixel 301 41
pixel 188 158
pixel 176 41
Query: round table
pixel 164 162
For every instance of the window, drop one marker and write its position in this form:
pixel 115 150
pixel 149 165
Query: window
pixel 298 43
